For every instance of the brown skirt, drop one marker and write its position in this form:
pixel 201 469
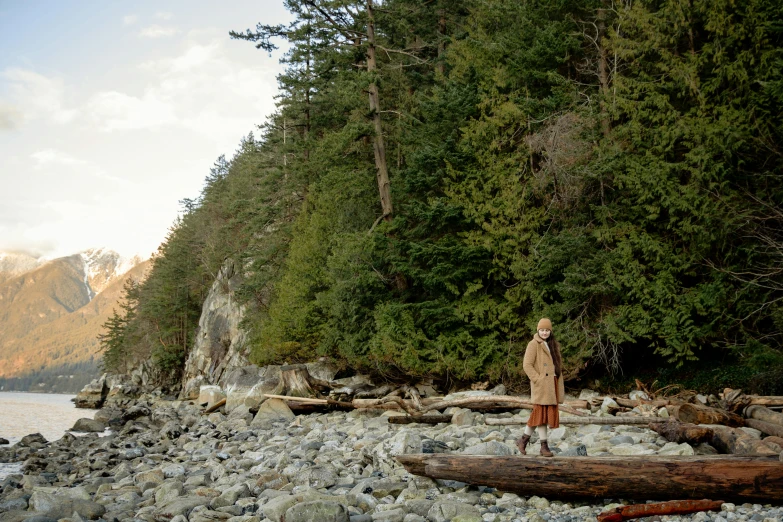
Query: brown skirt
pixel 545 414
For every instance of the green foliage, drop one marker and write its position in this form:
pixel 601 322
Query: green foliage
pixel 617 170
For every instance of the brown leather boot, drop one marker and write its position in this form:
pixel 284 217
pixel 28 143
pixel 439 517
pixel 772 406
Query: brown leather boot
pixel 522 443
pixel 545 450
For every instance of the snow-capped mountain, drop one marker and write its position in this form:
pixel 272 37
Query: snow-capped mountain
pixel 51 311
pixel 13 264
pixel 102 266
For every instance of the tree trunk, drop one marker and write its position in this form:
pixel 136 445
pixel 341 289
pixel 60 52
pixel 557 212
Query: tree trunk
pixel 295 382
pixel 696 414
pixel 440 67
pixel 680 432
pixel 603 71
pixel 379 147
pixel 737 442
pixel 765 427
pixel 730 478
pixel 582 421
pixel 423 419
pixel 631 403
pixel 764 414
pixel 673 507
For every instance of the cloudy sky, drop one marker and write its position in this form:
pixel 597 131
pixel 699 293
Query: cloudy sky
pixel 112 112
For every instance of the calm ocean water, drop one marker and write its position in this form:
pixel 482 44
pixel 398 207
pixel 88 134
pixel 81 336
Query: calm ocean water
pixel 48 414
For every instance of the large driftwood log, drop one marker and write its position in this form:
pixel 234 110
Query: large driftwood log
pixel 737 442
pixel 731 478
pixel 762 400
pixel 633 403
pixel 578 421
pixel 680 432
pixel 673 507
pixel 420 419
pixel 765 427
pixel 696 414
pixel 499 401
pixel 764 414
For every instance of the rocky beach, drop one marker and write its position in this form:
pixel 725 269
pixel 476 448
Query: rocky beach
pixel 167 460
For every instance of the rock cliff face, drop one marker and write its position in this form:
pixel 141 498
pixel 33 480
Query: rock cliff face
pixel 220 343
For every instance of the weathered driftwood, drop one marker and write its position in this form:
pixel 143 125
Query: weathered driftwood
pixel 680 432
pixel 696 414
pixel 765 427
pixel 735 441
pixel 764 414
pixel 633 403
pixel 219 404
pixel 578 421
pixel 393 403
pixel 295 382
pixel 673 507
pixel 761 400
pixel 420 419
pixel 490 401
pixel 731 478
pixel 774 440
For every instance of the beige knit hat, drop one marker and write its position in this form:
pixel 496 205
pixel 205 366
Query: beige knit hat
pixel 544 324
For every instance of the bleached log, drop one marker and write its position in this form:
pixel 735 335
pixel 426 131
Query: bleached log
pixel 579 421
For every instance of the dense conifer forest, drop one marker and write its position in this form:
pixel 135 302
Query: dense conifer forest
pixel 438 175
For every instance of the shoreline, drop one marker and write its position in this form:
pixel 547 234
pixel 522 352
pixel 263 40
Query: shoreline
pixel 166 461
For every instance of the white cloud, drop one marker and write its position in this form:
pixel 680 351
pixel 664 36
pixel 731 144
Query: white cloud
pixel 158 31
pixel 114 110
pixel 37 96
pixel 10 117
pixel 164 15
pixel 130 19
pixel 55 159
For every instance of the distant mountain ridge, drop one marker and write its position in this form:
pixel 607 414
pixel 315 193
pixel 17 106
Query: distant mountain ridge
pixel 51 311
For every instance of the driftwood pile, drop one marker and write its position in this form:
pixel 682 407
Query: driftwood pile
pixel 689 418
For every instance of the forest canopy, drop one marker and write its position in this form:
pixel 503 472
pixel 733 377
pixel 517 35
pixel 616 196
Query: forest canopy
pixel 439 175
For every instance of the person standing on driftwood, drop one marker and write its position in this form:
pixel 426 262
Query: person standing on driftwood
pixel 543 364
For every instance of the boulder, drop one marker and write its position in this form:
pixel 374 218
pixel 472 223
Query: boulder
pixel 88 425
pixel 270 411
pixel 489 448
pixel 276 508
pixel 320 510
pixel 209 395
pixel 445 511
pixel 93 394
pixel 384 455
pixel 179 506
pixel 33 438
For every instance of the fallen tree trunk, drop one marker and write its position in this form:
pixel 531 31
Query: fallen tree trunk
pixel 765 427
pixel 500 401
pixel 737 442
pixel 421 419
pixel 580 421
pixel 695 414
pixel 633 403
pixel 680 432
pixel 732 478
pixel 764 414
pixel 388 404
pixel 673 507
pixel 761 400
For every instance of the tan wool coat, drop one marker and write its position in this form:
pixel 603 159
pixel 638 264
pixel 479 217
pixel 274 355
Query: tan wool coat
pixel 540 369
